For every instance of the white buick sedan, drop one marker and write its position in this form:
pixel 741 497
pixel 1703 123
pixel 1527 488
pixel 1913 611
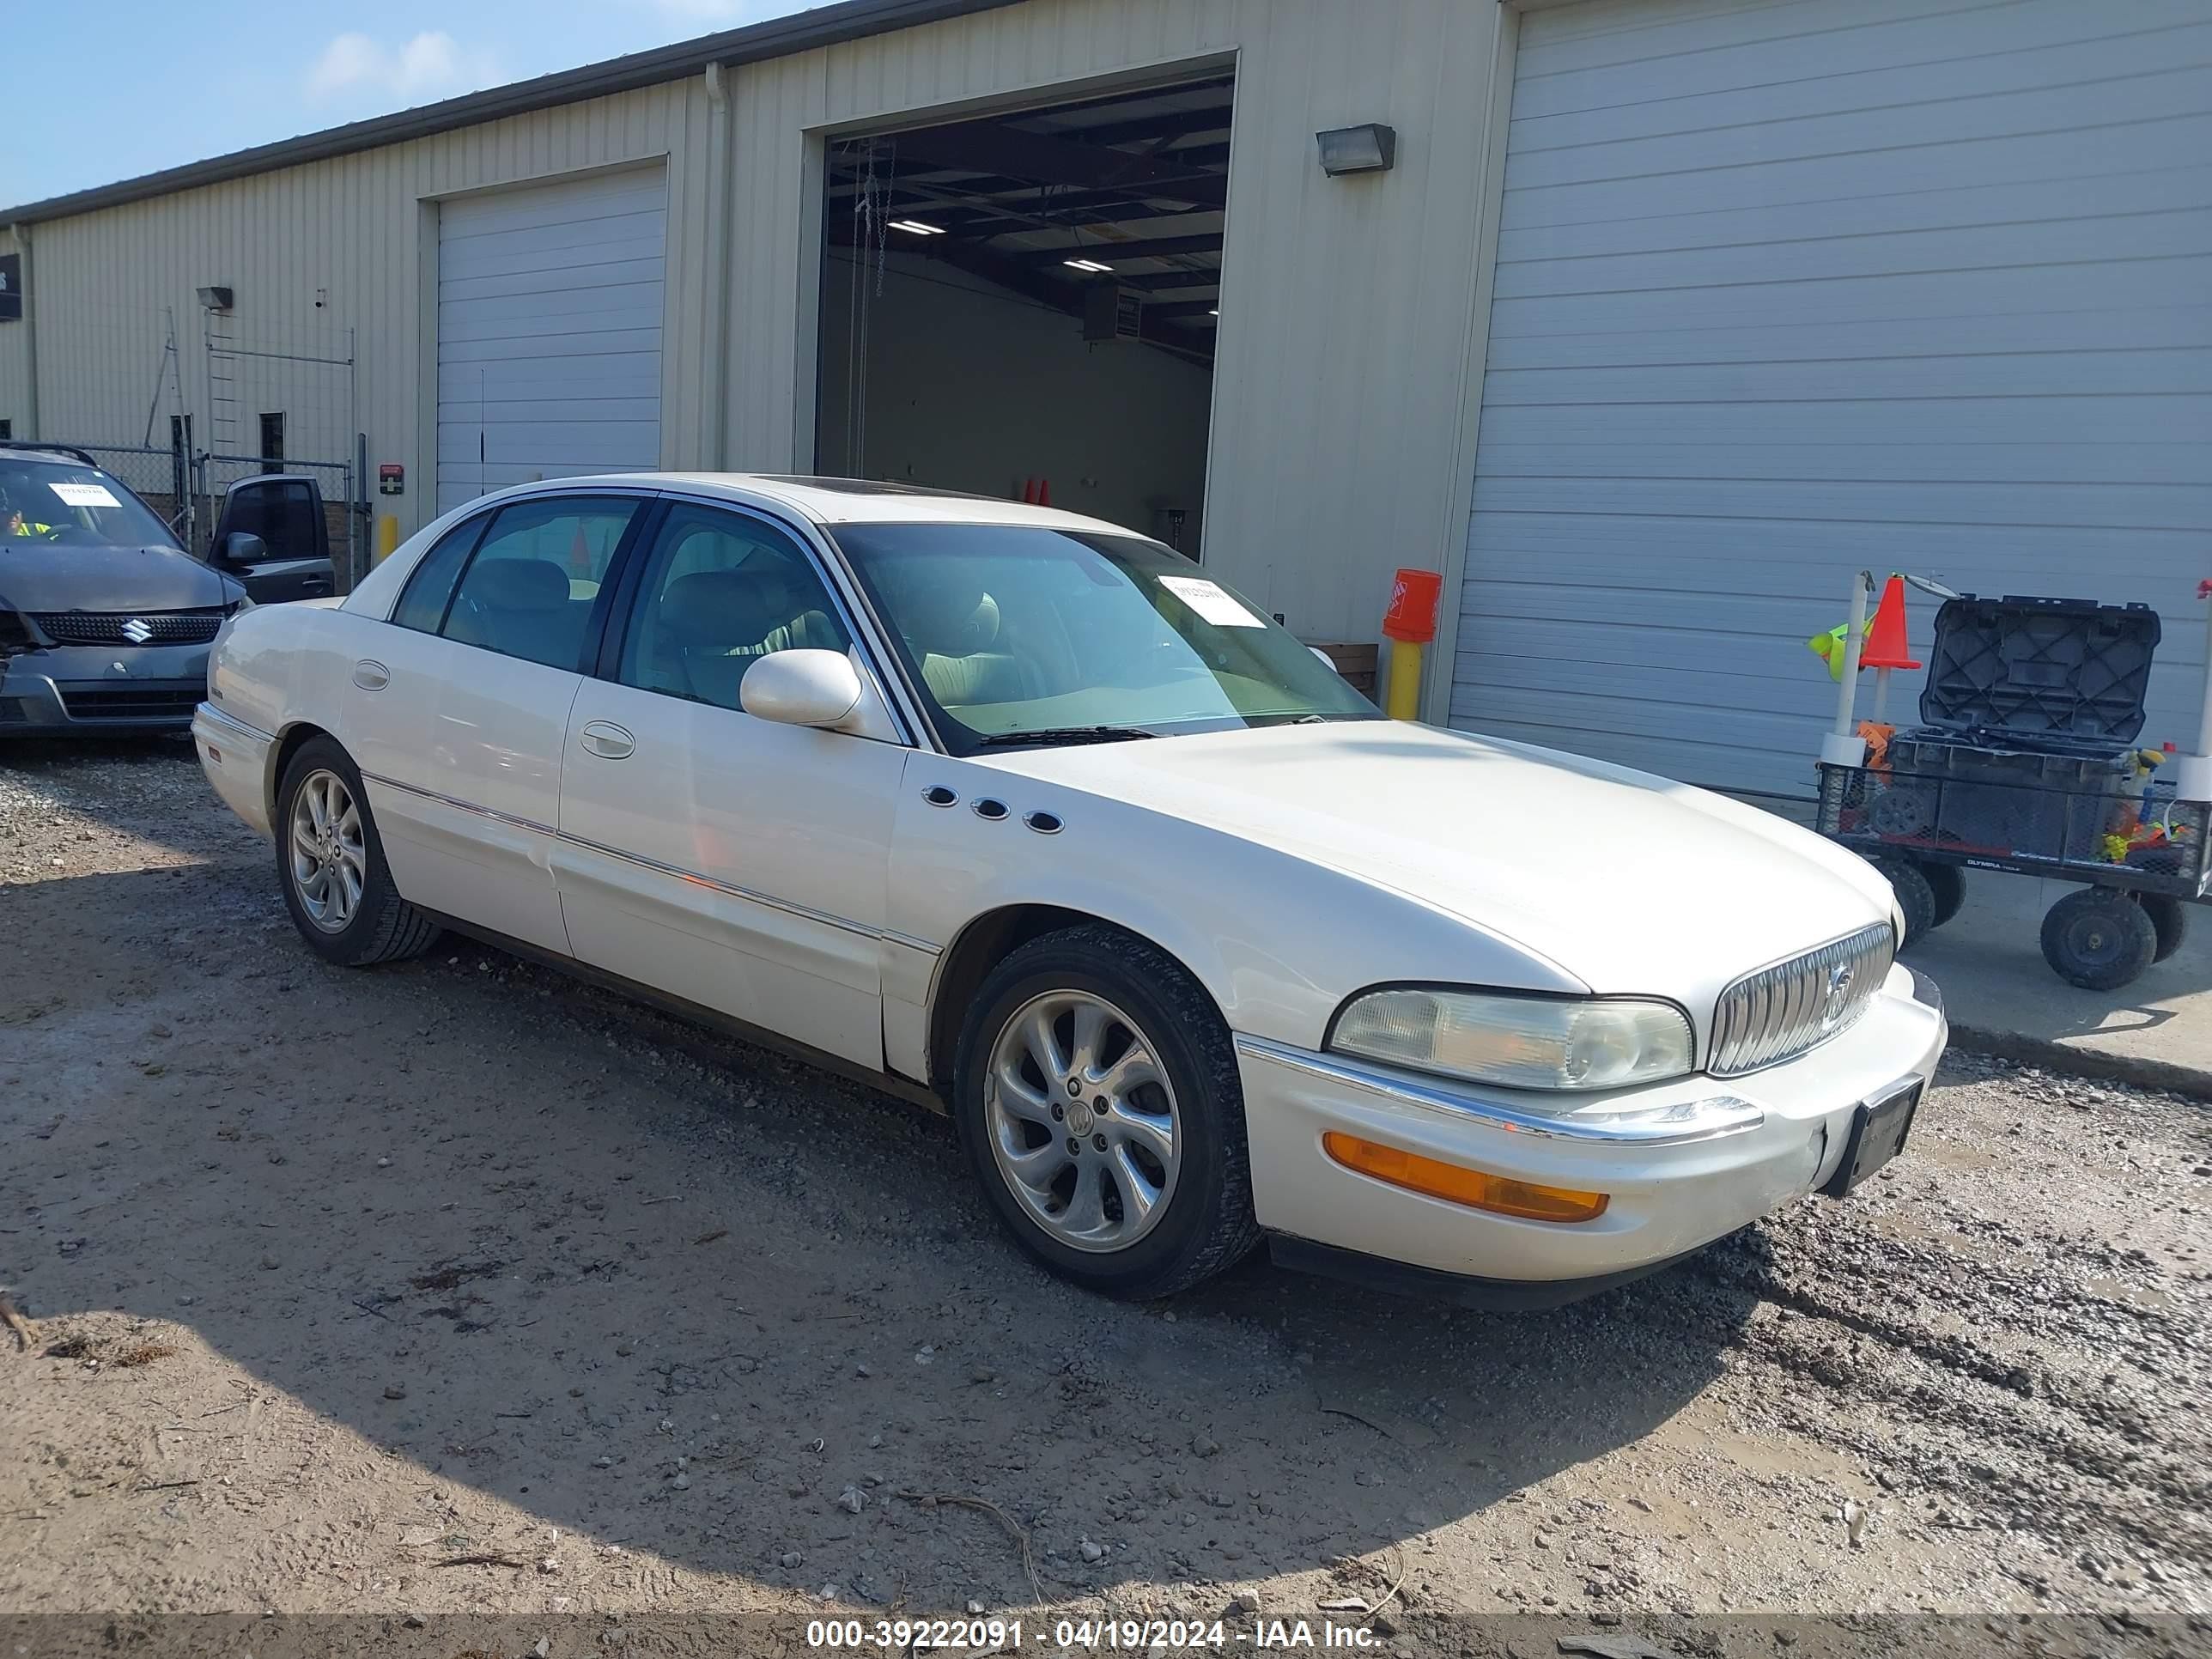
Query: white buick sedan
pixel 1019 814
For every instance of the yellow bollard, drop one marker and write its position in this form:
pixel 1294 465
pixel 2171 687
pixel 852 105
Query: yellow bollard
pixel 1405 680
pixel 1409 623
pixel 387 536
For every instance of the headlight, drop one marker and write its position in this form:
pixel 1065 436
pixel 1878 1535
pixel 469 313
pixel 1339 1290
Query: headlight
pixel 1518 1041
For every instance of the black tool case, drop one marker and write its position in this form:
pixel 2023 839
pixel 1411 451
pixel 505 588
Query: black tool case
pixel 2026 669
pixel 2031 715
pixel 2026 760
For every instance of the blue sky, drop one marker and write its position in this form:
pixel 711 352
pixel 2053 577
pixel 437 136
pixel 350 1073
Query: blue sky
pixel 100 90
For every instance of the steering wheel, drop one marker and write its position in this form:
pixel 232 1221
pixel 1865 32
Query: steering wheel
pixel 67 532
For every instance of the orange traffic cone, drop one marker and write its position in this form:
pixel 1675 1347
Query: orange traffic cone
pixel 1044 492
pixel 1884 645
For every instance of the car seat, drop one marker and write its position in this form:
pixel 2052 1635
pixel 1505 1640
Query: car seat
pixel 521 607
pixel 952 634
pixel 708 628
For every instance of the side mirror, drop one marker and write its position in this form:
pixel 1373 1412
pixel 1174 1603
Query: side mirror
pixel 801 688
pixel 243 547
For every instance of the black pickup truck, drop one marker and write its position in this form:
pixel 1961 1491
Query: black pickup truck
pixel 273 537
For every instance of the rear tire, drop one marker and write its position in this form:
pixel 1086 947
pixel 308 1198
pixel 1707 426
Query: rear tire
pixel 330 864
pixel 2098 939
pixel 1915 896
pixel 2169 920
pixel 1947 883
pixel 1137 1183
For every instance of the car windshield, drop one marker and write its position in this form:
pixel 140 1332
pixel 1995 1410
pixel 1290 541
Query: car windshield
pixel 67 504
pixel 1017 633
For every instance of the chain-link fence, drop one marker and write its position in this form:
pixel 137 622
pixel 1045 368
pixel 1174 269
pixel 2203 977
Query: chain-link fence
pixel 247 402
pixel 187 491
pixel 157 476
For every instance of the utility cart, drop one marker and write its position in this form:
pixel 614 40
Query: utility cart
pixel 2027 759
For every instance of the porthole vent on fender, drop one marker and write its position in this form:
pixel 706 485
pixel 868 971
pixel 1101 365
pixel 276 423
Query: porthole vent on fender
pixel 991 810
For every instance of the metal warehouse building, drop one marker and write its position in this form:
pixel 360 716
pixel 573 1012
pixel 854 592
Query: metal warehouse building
pixel 1645 321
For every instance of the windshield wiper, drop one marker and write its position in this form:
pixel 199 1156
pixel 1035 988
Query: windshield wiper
pixel 1067 734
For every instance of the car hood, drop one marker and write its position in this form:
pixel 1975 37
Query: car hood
pixel 1628 882
pixel 42 576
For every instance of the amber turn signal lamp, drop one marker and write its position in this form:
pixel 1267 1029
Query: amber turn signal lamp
pixel 1472 1188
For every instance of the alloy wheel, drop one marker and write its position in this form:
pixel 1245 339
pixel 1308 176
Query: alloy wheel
pixel 328 862
pixel 1082 1121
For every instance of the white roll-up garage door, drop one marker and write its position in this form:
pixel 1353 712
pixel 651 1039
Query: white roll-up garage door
pixel 549 331
pixel 1787 287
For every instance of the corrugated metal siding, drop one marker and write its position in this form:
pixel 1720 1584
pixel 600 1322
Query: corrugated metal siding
pixel 351 228
pixel 14 362
pixel 1348 316
pixel 1785 287
pixel 1346 304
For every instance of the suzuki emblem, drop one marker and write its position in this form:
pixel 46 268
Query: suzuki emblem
pixel 137 631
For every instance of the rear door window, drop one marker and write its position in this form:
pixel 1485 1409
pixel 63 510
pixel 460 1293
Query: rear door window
pixel 533 586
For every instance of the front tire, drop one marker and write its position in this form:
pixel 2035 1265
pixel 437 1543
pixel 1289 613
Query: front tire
pixel 330 863
pixel 1097 1094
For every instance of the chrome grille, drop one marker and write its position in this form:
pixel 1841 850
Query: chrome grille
pixel 1779 1012
pixel 128 626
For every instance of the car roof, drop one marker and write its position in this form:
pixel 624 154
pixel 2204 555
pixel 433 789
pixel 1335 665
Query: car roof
pixel 258 479
pixel 842 500
pixel 22 449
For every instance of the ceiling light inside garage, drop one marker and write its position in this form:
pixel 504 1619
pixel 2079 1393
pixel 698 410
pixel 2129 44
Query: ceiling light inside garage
pixel 916 227
pixel 1086 264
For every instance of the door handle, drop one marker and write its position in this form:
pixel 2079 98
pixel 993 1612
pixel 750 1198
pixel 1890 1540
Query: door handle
pixel 607 740
pixel 370 675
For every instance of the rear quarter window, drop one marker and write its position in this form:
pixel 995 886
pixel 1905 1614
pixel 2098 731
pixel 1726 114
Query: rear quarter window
pixel 430 585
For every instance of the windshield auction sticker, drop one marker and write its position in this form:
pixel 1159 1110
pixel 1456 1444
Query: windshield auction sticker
pixel 84 494
pixel 1211 602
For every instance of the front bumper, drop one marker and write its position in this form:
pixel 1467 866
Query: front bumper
pixel 235 757
pixel 74 690
pixel 1684 1162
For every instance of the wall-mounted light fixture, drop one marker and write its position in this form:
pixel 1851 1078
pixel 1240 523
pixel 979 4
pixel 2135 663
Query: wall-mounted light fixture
pixel 215 298
pixel 1369 149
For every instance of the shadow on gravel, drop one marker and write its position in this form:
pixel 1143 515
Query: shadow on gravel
pixel 660 1289
pixel 60 756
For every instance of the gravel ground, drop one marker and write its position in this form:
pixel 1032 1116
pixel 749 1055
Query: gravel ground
pixel 458 1287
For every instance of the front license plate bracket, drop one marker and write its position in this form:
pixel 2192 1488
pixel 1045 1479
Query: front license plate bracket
pixel 1878 1127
